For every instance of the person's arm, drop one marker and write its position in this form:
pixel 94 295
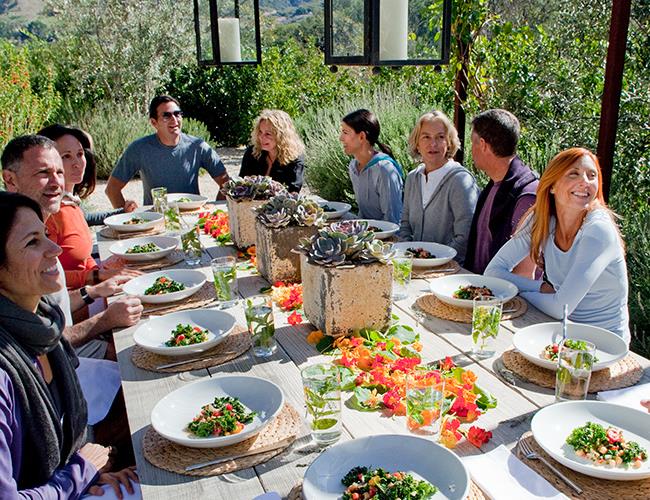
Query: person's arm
pixel 508 257
pixel 97 218
pixel 212 163
pixel 295 167
pixel 405 230
pixel 598 247
pixel 113 190
pixel 521 207
pixel 463 196
pixel 390 193
pixel 69 481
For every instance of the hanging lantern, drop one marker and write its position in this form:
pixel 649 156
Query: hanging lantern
pixel 387 32
pixel 227 32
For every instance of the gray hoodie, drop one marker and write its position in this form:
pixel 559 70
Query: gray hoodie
pixel 447 216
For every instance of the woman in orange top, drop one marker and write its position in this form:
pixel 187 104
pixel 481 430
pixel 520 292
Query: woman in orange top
pixel 68 227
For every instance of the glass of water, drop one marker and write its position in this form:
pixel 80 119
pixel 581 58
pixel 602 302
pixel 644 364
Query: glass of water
pixel 159 197
pixel 486 317
pixel 191 244
pixel 322 388
pixel 224 270
pixel 575 361
pixel 425 397
pixel 259 319
pixel 402 269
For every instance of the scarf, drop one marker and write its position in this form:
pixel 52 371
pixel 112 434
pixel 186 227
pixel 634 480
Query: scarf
pixel 48 439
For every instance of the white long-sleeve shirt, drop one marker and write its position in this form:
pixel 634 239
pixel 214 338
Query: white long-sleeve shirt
pixel 591 277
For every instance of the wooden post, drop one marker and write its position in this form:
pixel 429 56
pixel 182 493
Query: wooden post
pixel 620 21
pixel 461 97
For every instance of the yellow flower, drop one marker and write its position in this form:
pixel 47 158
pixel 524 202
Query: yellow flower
pixel 315 337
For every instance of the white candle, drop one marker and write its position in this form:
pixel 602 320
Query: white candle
pixel 393 29
pixel 229 43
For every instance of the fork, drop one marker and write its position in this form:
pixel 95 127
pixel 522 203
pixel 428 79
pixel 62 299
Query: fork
pixel 528 452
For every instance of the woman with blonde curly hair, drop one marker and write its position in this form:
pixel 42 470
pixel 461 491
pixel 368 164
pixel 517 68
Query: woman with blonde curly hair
pixel 572 236
pixel 440 194
pixel 276 150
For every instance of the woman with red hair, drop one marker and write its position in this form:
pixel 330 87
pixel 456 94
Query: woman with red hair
pixel 572 236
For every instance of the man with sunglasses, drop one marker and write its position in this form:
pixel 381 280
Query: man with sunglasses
pixel 169 158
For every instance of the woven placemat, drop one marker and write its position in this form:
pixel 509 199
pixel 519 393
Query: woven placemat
pixel 174 458
pixel 592 487
pixel 202 298
pixel 430 304
pixel 450 267
pixel 475 493
pixel 112 234
pixel 235 344
pixel 624 373
pixel 168 260
pixel 193 211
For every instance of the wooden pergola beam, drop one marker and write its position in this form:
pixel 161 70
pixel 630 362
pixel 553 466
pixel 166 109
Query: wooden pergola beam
pixel 620 21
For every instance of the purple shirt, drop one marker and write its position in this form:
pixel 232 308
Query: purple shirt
pixel 482 255
pixel 69 481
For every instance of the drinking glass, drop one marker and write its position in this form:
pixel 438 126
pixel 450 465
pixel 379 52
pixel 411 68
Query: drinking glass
pixel 191 244
pixel 224 270
pixel 402 268
pixel 425 397
pixel 173 221
pixel 159 197
pixel 322 387
pixel 575 361
pixel 259 319
pixel 486 316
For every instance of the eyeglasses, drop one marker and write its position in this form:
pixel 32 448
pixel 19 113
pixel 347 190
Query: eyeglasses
pixel 167 115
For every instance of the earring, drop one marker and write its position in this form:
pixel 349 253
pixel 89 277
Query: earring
pixel 552 191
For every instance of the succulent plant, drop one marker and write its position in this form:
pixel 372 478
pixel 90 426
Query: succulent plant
pixel 290 210
pixel 346 242
pixel 254 187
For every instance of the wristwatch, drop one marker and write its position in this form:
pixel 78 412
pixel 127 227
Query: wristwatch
pixel 85 296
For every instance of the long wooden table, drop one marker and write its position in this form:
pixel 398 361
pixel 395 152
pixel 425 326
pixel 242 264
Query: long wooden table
pixel 440 338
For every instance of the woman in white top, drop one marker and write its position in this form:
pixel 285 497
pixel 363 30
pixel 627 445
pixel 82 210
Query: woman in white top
pixel 570 233
pixel 440 194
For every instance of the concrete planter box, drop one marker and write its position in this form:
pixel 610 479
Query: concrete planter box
pixel 241 219
pixel 339 301
pixel 275 259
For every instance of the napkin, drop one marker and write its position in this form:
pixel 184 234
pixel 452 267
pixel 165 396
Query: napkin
pixel 272 495
pixel 502 475
pixel 630 396
pixel 109 493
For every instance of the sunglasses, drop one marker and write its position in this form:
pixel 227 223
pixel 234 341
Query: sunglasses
pixel 167 115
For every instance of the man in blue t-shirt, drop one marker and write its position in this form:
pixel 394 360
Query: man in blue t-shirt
pixel 169 158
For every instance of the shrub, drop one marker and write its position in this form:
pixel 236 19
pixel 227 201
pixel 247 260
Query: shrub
pixel 113 128
pixel 24 106
pixel 327 164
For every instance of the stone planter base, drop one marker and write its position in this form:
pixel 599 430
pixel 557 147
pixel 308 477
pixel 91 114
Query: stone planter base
pixel 341 301
pixel 275 259
pixel 241 219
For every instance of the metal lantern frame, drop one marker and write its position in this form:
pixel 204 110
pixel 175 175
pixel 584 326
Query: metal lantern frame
pixel 371 26
pixel 214 34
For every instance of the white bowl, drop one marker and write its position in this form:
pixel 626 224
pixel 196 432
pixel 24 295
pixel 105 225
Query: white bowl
pixel 444 288
pixel 553 424
pixel 386 229
pixel 532 340
pixel 153 334
pixel 443 253
pixel 116 222
pixel 167 245
pixel 193 281
pixel 171 414
pixel 340 209
pixel 414 455
pixel 197 201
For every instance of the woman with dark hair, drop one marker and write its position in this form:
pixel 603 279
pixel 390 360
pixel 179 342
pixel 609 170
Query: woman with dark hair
pixel 68 227
pixel 377 179
pixel 43 413
pixel 572 236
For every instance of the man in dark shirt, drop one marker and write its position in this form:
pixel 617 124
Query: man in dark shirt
pixel 509 193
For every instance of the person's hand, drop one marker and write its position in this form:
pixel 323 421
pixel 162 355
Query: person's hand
pixel 115 480
pixel 546 288
pixel 98 455
pixel 113 262
pixel 111 286
pixel 129 206
pixel 125 311
pixel 127 274
pixel 646 404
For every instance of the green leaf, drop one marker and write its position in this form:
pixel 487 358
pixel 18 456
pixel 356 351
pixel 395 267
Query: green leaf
pixel 485 400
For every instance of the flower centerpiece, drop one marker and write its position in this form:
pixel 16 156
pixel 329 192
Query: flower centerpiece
pixel 281 223
pixel 216 225
pixel 375 365
pixel 242 196
pixel 338 262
